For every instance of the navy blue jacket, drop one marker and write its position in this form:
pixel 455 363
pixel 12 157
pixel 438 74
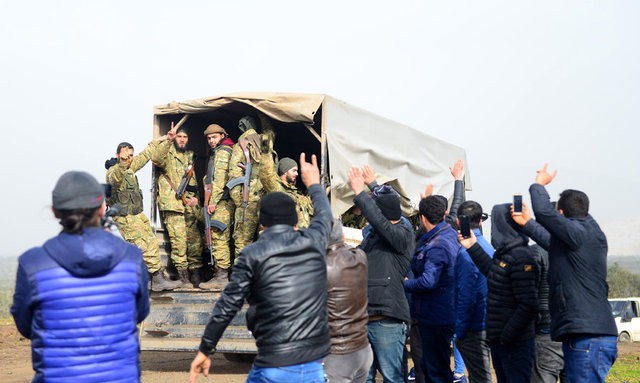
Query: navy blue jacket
pixel 577 270
pixel 471 290
pixel 79 298
pixel 433 288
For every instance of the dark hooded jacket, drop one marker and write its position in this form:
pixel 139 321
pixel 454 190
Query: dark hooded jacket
pixel 512 299
pixel 79 298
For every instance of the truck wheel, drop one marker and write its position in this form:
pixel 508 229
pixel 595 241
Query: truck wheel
pixel 624 337
pixel 239 358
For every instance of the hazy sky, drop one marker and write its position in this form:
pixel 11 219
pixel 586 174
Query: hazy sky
pixel 517 84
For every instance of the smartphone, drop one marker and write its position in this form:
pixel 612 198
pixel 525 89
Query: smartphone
pixel 517 204
pixel 465 226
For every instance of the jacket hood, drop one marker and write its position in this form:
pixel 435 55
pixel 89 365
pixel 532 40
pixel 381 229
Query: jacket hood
pixel 227 141
pixel 504 231
pixel 93 253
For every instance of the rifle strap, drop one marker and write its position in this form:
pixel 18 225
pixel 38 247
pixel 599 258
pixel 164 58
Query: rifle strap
pixel 173 186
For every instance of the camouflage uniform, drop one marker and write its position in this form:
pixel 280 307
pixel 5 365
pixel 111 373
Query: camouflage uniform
pixel 351 219
pixel 180 220
pixel 132 223
pixel 272 183
pixel 244 232
pixel 220 242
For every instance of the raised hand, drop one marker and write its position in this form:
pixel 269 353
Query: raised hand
pixel 543 177
pixel 171 134
pixel 309 172
pixel 369 174
pixel 427 191
pixel 457 171
pixel 356 180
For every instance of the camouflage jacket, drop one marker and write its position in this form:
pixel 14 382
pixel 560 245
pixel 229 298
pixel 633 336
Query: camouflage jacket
pixel 172 163
pixel 272 183
pixel 237 163
pixel 124 182
pixel 218 168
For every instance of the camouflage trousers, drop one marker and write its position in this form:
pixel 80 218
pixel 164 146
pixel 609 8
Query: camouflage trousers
pixel 185 238
pixel 137 230
pixel 221 241
pixel 245 232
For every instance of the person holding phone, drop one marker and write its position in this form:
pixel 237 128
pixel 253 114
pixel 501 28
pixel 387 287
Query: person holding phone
pixel 471 297
pixel 580 312
pixel 512 297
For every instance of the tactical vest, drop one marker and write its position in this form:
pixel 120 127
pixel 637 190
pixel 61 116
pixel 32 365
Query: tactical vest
pixel 130 197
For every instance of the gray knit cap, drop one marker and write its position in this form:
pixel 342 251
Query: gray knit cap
pixel 77 190
pixel 286 164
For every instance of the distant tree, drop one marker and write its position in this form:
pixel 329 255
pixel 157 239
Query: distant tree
pixel 622 283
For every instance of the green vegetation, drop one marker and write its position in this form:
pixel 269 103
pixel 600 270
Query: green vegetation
pixel 6 299
pixel 626 369
pixel 622 283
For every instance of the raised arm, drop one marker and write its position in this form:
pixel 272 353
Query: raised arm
pixel 559 226
pixel 320 226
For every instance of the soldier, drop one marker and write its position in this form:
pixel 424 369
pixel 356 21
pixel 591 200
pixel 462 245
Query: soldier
pixel 285 181
pixel 217 201
pixel 132 223
pixel 179 216
pixel 246 202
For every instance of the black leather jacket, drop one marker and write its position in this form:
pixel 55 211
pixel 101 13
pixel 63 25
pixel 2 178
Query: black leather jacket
pixel 283 276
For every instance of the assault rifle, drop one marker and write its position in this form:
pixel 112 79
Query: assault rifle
pixel 208 222
pixel 245 180
pixel 186 177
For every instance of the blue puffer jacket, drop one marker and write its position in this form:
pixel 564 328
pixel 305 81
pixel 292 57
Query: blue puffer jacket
pixel 471 290
pixel 79 298
pixel 433 288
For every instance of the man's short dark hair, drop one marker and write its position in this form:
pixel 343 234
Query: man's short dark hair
pixel 123 145
pixel 433 209
pixel 573 203
pixel 473 210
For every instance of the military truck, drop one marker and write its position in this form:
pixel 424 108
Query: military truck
pixel 340 135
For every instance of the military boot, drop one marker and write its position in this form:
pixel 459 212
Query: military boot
pixel 184 279
pixel 195 276
pixel 160 283
pixel 218 281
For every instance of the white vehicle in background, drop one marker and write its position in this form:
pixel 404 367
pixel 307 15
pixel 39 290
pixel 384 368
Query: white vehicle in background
pixel 626 312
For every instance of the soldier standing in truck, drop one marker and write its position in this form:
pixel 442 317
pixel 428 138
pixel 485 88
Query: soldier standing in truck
pixel 179 217
pixel 217 201
pixel 133 225
pixel 244 184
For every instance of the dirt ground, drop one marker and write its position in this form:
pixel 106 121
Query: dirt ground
pixel 157 367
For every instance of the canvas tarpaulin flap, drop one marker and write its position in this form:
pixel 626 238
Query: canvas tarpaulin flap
pixel 284 107
pixel 409 158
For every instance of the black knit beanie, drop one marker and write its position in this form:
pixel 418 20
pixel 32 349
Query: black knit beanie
pixel 388 202
pixel 278 208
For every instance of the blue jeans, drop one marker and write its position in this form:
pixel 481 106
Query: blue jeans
pixel 513 363
pixel 588 359
pixel 310 372
pixel 458 362
pixel 387 338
